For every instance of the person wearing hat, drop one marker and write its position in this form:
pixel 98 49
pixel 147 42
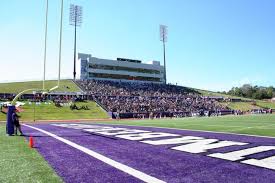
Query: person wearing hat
pixel 15 119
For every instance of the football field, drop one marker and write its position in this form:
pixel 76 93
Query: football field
pixel 216 149
pixel 248 124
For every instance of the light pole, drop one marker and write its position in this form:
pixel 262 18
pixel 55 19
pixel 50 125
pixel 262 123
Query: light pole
pixel 163 37
pixel 60 43
pixel 75 20
pixel 45 43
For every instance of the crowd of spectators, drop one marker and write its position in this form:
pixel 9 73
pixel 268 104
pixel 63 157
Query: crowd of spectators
pixel 147 98
pixel 6 96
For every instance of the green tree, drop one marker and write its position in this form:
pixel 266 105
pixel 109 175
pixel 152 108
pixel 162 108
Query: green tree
pixel 255 92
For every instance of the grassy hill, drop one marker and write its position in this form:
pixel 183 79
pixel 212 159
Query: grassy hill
pixel 210 93
pixel 244 106
pixel 265 104
pixel 32 111
pixel 16 87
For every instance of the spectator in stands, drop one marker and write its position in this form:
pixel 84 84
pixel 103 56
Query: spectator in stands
pixel 144 98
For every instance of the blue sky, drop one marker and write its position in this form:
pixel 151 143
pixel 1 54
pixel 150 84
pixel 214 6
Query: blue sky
pixel 212 44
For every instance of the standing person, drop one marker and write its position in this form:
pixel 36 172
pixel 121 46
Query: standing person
pixel 117 115
pixel 15 119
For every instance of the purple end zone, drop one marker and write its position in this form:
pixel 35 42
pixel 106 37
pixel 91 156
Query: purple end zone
pixel 158 161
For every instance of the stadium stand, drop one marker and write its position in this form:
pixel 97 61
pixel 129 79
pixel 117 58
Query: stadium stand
pixel 143 100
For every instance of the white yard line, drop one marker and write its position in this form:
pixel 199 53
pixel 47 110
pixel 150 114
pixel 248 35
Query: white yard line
pixel 265 126
pixel 191 130
pixel 240 129
pixel 197 124
pixel 249 127
pixel 131 171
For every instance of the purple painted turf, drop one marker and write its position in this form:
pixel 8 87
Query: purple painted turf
pixel 158 161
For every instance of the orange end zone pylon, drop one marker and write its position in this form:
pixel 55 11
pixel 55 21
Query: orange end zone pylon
pixel 31 142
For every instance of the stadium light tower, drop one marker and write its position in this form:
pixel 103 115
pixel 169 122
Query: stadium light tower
pixel 163 37
pixel 75 20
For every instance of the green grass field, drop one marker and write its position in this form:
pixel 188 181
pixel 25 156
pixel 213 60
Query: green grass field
pixel 65 85
pixel 19 163
pixel 51 112
pixel 248 124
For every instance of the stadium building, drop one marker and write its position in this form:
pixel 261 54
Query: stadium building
pixel 121 69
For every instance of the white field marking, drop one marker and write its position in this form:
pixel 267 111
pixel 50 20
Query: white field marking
pixel 249 127
pixel 265 126
pixel 185 120
pixel 188 130
pixel 232 126
pixel 131 171
pixel 240 129
pixel 197 124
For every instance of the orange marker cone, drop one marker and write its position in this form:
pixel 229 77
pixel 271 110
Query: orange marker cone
pixel 31 142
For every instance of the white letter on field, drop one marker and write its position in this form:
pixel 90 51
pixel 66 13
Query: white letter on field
pixel 238 155
pixel 181 140
pixel 266 163
pixel 142 136
pixel 203 145
pixel 102 129
pixel 121 132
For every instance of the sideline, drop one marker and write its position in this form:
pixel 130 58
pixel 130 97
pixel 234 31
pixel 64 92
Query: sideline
pixel 62 121
pixel 131 171
pixel 229 133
